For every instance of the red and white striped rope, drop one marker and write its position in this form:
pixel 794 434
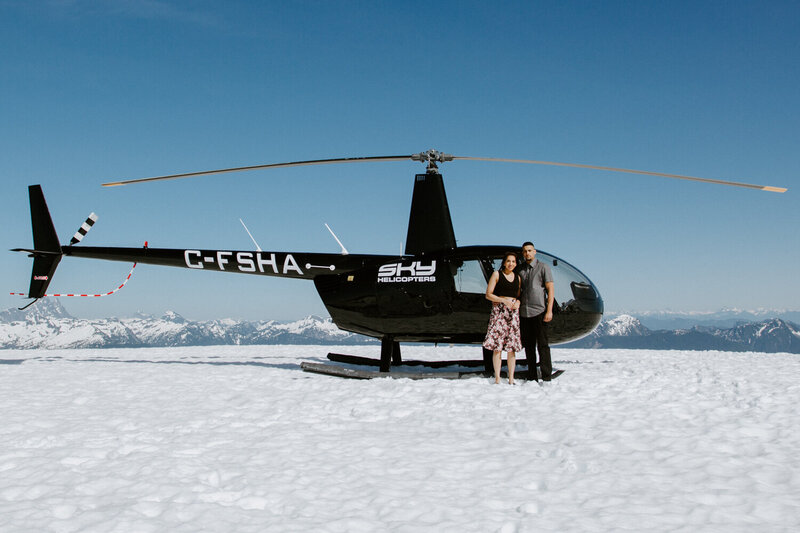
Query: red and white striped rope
pixel 87 295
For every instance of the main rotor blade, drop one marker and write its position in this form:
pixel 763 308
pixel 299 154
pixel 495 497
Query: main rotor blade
pixel 377 159
pixel 627 170
pixel 433 156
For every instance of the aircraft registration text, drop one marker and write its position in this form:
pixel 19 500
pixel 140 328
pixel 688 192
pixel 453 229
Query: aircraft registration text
pixel 269 263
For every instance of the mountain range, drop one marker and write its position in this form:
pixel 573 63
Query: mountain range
pixel 625 331
pixel 46 324
pixel 724 318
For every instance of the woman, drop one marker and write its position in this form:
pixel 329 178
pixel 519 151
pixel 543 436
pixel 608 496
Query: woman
pixel 503 334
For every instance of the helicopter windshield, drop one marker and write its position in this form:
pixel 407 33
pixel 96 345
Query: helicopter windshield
pixel 570 283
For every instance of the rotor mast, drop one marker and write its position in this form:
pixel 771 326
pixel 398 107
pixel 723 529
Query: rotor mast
pixel 430 227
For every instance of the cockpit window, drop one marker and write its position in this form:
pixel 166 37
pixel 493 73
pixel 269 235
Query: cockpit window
pixel 570 283
pixel 470 277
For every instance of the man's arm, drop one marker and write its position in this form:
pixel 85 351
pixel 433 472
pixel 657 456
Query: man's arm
pixel 551 296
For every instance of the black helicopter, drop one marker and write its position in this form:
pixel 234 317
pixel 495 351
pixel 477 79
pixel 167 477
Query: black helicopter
pixel 433 292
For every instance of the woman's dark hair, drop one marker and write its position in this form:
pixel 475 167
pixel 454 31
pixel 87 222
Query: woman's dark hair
pixel 505 256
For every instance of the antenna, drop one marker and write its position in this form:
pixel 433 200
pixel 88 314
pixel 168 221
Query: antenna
pixel 258 248
pixel 344 250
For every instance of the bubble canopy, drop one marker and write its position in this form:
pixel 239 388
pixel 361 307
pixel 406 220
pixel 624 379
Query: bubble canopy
pixel 578 306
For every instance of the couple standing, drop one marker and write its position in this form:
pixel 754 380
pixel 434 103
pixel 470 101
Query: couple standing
pixel 520 313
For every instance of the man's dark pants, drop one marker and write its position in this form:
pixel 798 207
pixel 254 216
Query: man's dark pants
pixel 533 333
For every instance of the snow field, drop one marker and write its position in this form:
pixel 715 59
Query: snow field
pixel 240 439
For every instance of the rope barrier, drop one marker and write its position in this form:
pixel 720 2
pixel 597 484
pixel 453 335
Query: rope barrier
pixel 86 295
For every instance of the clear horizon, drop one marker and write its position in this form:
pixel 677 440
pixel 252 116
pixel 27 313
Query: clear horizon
pixel 101 91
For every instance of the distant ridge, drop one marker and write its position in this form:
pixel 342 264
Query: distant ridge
pixel 48 325
pixel 625 331
pixel 724 318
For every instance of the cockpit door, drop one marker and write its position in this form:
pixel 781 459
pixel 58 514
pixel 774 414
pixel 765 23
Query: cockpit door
pixel 470 307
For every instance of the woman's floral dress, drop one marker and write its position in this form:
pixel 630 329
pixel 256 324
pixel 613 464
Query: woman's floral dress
pixel 503 333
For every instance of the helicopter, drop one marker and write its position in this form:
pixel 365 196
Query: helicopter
pixel 434 292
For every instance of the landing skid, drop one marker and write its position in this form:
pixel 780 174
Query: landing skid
pixel 356 373
pixel 369 361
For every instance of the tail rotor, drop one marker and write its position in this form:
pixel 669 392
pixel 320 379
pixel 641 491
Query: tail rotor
pixel 83 230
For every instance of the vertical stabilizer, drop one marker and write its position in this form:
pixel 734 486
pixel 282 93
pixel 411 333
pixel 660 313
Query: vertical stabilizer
pixel 430 228
pixel 45 238
pixel 46 249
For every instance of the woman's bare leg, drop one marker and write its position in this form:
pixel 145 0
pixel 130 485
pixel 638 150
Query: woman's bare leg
pixel 497 365
pixel 512 364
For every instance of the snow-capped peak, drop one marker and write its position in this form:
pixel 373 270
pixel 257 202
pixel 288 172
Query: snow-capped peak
pixel 44 309
pixel 622 325
pixel 172 316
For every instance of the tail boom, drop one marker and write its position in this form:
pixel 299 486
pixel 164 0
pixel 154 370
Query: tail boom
pixel 279 264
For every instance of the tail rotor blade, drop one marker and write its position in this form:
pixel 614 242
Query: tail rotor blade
pixel 83 230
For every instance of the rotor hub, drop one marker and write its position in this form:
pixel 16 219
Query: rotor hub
pixel 432 157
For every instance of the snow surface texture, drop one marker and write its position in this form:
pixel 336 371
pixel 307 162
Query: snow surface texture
pixel 240 439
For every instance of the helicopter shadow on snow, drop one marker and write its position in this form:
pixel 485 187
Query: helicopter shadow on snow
pixel 568 362
pixel 283 366
pixel 251 363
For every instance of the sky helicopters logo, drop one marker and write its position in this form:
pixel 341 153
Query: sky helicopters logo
pixel 399 273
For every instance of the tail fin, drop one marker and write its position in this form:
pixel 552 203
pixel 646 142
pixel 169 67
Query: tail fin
pixel 46 249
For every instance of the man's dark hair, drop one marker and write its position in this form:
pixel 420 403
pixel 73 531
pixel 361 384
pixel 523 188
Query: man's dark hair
pixel 527 243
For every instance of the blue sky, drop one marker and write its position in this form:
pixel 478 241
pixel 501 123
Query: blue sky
pixel 99 91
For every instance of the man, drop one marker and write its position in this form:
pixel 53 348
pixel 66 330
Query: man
pixel 535 312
